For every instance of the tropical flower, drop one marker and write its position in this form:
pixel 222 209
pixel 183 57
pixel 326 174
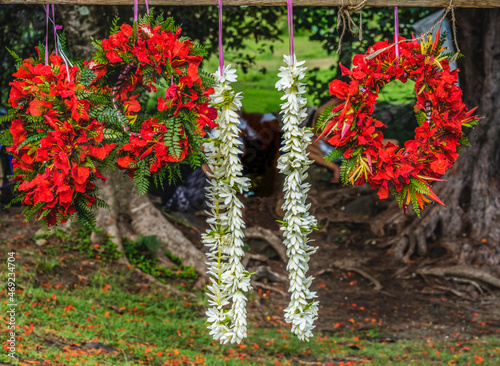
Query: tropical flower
pixel 297 223
pixel 158 53
pixel 56 144
pixel 405 171
pixel 228 279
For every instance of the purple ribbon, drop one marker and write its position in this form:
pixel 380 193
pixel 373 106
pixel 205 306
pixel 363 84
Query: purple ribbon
pixel 46 34
pixel 396 33
pixel 147 6
pixel 55 28
pixel 136 6
pixel 221 52
pixel 289 9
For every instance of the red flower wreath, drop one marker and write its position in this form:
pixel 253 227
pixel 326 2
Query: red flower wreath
pixel 408 171
pixel 54 141
pixel 135 58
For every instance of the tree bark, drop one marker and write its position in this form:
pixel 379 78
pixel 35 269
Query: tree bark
pixel 130 215
pixel 469 227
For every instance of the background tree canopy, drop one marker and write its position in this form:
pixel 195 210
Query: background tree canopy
pixel 23 27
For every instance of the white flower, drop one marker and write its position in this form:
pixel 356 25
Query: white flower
pixel 301 312
pixel 229 280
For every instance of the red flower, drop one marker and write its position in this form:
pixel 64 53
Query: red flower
pixel 405 171
pixel 136 61
pixel 56 168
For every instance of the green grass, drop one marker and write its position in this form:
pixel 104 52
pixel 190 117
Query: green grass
pixel 258 88
pixel 152 328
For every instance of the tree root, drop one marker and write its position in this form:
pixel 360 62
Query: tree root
pixel 454 292
pixel 270 288
pixel 268 273
pixel 274 240
pixel 249 256
pixel 468 272
pixel 132 215
pixel 376 283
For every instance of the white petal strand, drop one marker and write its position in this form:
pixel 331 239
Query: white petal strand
pixel 228 278
pixel 298 223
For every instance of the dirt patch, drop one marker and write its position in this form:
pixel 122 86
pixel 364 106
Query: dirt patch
pixel 348 265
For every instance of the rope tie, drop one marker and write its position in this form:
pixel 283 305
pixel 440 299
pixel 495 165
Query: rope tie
pixel 344 18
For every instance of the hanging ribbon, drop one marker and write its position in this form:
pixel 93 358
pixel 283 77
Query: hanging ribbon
pixel 396 33
pixel 221 51
pixel 46 34
pixel 289 9
pixel 57 44
pixel 136 8
pixel 55 27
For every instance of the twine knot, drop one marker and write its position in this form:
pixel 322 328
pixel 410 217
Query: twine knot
pixel 344 18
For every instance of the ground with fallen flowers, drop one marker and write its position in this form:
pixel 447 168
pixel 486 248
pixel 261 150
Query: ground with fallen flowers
pixel 77 306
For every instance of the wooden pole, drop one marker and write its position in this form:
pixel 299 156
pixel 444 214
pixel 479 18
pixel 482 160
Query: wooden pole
pixel 335 3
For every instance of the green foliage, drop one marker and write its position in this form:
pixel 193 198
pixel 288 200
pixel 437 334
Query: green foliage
pixel 415 187
pixel 143 253
pixel 141 176
pixel 46 265
pixel 18 59
pixel 324 117
pixel 115 27
pixel 207 78
pixel 173 137
pixel 145 247
pixel 173 257
pixel 106 251
pixel 85 215
pixel 335 154
pixel 345 169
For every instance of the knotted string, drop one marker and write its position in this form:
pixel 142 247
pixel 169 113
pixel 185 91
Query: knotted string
pixel 344 17
pixel 448 9
pixel 454 24
pixel 396 33
pixel 289 9
pixel 221 51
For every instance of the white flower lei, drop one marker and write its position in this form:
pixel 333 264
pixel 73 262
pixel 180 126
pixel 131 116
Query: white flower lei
pixel 297 223
pixel 229 280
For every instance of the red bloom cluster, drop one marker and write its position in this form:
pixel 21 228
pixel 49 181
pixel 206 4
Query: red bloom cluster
pixel 55 142
pixel 149 144
pixel 439 109
pixel 126 64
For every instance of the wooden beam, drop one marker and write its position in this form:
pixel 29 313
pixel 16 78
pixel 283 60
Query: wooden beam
pixel 336 3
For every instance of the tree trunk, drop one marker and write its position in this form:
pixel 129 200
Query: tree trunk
pixel 469 227
pixel 131 215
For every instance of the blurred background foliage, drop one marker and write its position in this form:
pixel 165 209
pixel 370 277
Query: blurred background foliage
pixel 255 39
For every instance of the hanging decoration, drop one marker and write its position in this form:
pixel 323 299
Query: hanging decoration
pixel 56 141
pixel 136 58
pixel 297 223
pixel 69 122
pixel 406 172
pixel 228 279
